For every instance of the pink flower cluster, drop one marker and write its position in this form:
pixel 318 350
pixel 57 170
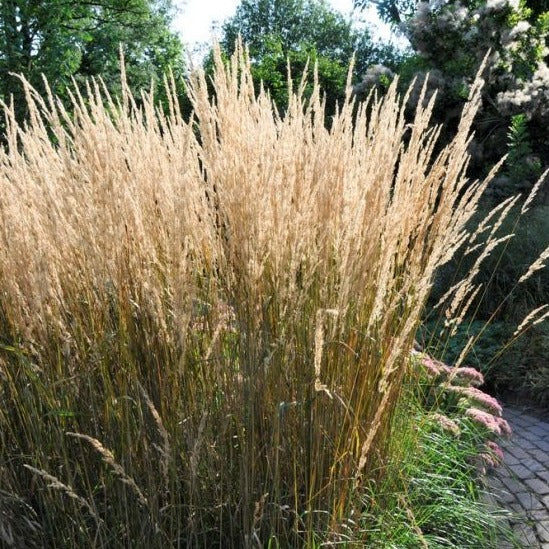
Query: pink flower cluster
pixel 460 376
pixel 478 397
pixel 434 368
pixel 492 455
pixel 494 424
pixel 446 424
pixel 467 375
pixel 472 403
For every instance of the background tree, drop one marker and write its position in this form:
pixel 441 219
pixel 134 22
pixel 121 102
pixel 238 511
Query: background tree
pixel 396 11
pixel 298 30
pixel 390 11
pixel 449 40
pixel 65 39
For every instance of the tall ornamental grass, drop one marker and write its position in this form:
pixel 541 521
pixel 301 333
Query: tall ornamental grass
pixel 205 324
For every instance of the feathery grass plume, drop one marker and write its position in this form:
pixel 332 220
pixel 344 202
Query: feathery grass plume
pixel 165 450
pixel 116 468
pixel 319 343
pixel 466 305
pixel 131 233
pixel 532 194
pixel 535 266
pixel 55 484
pixel 464 352
pixel 484 225
pixel 528 319
pixel 539 320
pixel 465 291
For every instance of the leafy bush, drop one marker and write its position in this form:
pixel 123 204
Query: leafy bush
pixel 449 40
pixel 510 363
pixel 489 340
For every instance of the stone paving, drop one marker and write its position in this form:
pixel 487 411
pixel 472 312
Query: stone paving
pixel 522 484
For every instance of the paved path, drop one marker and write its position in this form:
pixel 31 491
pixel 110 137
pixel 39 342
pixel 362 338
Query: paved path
pixel 522 484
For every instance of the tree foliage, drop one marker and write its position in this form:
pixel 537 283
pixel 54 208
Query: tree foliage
pixel 450 38
pixel 397 11
pixel 294 23
pixel 278 31
pixel 390 11
pixel 65 39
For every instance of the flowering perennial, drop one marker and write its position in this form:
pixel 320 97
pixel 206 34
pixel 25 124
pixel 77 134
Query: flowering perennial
pixel 478 398
pixel 445 423
pixel 467 376
pixel 494 424
pixel 469 402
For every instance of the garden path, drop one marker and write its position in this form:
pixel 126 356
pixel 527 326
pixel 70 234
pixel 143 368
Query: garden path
pixel 522 484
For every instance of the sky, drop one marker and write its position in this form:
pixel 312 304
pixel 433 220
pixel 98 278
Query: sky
pixel 197 20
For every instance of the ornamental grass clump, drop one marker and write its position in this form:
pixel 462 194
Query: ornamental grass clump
pixel 205 324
